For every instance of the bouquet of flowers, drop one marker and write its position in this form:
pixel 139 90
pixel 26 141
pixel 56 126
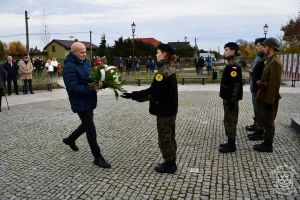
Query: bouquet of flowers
pixel 109 76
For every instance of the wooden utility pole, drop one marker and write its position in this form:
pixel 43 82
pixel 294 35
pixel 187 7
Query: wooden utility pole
pixel 27 34
pixel 91 46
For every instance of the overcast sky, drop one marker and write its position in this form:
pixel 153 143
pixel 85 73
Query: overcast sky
pixel 211 22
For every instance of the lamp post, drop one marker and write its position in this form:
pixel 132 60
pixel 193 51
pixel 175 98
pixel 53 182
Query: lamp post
pixel 185 40
pixel 133 30
pixel 266 27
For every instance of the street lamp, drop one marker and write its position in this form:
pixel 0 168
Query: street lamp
pixel 133 30
pixel 185 40
pixel 266 27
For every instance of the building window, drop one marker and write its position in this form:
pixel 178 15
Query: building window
pixel 53 49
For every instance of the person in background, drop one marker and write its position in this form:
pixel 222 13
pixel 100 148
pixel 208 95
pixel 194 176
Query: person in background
pixel 2 82
pixel 25 71
pixel 12 74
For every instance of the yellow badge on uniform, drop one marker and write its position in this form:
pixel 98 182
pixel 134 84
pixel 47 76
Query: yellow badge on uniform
pixel 233 74
pixel 159 77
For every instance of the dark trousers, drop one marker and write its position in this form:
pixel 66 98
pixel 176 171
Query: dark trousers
pixel 166 137
pixel 231 115
pixel 268 120
pixel 27 85
pixel 1 94
pixel 87 125
pixel 14 80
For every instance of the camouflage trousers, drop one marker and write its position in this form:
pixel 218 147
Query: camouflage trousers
pixel 166 137
pixel 231 114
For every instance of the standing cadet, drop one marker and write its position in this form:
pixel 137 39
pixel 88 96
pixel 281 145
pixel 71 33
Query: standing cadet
pixel 163 96
pixel 231 92
pixel 268 93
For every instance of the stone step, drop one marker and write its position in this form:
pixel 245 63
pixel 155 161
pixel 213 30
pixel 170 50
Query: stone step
pixel 295 117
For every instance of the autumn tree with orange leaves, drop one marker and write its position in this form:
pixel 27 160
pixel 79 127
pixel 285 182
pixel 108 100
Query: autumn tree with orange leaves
pixel 16 47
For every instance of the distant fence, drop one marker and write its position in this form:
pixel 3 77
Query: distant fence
pixel 291 66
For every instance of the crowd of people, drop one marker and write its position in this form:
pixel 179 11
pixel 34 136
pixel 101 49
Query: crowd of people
pixel 23 70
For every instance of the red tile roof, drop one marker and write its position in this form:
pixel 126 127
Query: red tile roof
pixel 152 41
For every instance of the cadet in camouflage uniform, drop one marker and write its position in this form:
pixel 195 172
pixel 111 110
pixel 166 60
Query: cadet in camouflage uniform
pixel 268 93
pixel 231 91
pixel 163 97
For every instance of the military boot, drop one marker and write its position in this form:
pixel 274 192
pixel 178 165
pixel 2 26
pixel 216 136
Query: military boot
pixel 266 146
pixel 101 162
pixel 71 144
pixel 228 147
pixel 257 135
pixel 166 167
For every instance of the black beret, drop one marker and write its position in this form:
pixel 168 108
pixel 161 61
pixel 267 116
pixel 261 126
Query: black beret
pixel 259 40
pixel 232 45
pixel 166 48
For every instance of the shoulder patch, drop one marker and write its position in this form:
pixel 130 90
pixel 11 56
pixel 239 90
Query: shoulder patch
pixel 233 74
pixel 159 77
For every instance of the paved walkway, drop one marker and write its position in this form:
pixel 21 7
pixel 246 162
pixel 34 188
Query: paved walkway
pixel 35 164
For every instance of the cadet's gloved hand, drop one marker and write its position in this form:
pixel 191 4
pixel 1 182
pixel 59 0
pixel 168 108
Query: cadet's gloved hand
pixel 127 95
pixel 269 106
pixel 231 105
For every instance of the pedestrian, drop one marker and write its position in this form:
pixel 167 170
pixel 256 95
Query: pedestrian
pixel 231 91
pixel 25 71
pixel 268 93
pixel 120 65
pixel 197 64
pixel 54 63
pixel 83 100
pixel 152 66
pixel 50 70
pixel 137 65
pixel 38 65
pixel 209 62
pixel 163 97
pixel 11 68
pixel 128 65
pixel 255 75
pixel 3 76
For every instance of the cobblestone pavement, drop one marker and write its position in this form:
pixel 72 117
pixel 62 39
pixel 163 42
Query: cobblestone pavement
pixel 35 164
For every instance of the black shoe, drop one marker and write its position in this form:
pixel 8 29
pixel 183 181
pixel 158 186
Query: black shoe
pixel 31 92
pixel 72 145
pixel 167 167
pixel 228 147
pixel 8 94
pixel 101 162
pixel 17 93
pixel 256 136
pixel 266 146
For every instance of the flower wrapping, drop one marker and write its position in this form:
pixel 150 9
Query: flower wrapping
pixel 109 76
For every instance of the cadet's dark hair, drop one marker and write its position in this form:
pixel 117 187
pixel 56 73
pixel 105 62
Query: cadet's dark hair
pixel 233 46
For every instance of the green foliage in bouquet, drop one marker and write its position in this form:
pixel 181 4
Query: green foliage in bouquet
pixel 112 78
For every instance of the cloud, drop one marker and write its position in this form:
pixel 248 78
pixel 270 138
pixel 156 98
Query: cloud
pixel 211 22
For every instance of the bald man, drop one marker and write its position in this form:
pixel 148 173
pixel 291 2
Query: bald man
pixel 83 100
pixel 12 72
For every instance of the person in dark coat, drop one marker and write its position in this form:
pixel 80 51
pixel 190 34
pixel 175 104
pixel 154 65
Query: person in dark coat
pixel 83 100
pixel 163 97
pixel 2 82
pixel 11 68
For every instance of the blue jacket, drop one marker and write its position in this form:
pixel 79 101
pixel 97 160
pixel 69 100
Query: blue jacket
pixel 76 78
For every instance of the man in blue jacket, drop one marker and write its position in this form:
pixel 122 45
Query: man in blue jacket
pixel 83 100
